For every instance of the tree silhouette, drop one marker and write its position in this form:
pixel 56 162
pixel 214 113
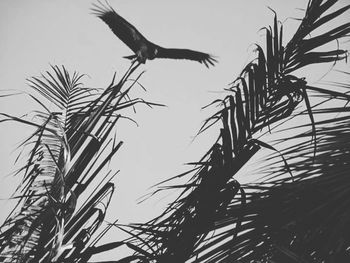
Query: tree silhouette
pixel 295 209
pixel 69 149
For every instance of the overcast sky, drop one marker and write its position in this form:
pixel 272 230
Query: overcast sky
pixel 37 33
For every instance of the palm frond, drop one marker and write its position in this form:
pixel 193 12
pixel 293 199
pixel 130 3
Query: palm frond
pixel 65 157
pixel 216 218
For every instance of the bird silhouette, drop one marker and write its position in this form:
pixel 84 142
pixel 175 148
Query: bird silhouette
pixel 144 49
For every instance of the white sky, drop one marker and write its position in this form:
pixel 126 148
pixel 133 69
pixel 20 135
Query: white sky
pixel 37 33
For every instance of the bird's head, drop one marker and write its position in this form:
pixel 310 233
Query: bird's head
pixel 153 52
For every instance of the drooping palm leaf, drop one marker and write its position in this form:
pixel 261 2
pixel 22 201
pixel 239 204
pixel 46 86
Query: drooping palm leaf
pixel 65 158
pixel 215 218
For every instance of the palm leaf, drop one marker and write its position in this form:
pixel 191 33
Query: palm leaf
pixel 217 219
pixel 65 157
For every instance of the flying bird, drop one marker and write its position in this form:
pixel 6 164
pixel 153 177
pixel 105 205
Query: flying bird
pixel 143 48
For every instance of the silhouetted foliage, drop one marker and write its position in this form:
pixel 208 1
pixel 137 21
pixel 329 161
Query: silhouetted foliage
pixel 297 213
pixel 295 209
pixel 69 150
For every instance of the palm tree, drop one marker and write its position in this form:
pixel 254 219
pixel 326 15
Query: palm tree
pixel 296 208
pixel 57 217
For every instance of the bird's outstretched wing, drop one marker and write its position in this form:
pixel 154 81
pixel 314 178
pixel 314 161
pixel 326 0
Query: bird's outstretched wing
pixel 178 53
pixel 120 27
